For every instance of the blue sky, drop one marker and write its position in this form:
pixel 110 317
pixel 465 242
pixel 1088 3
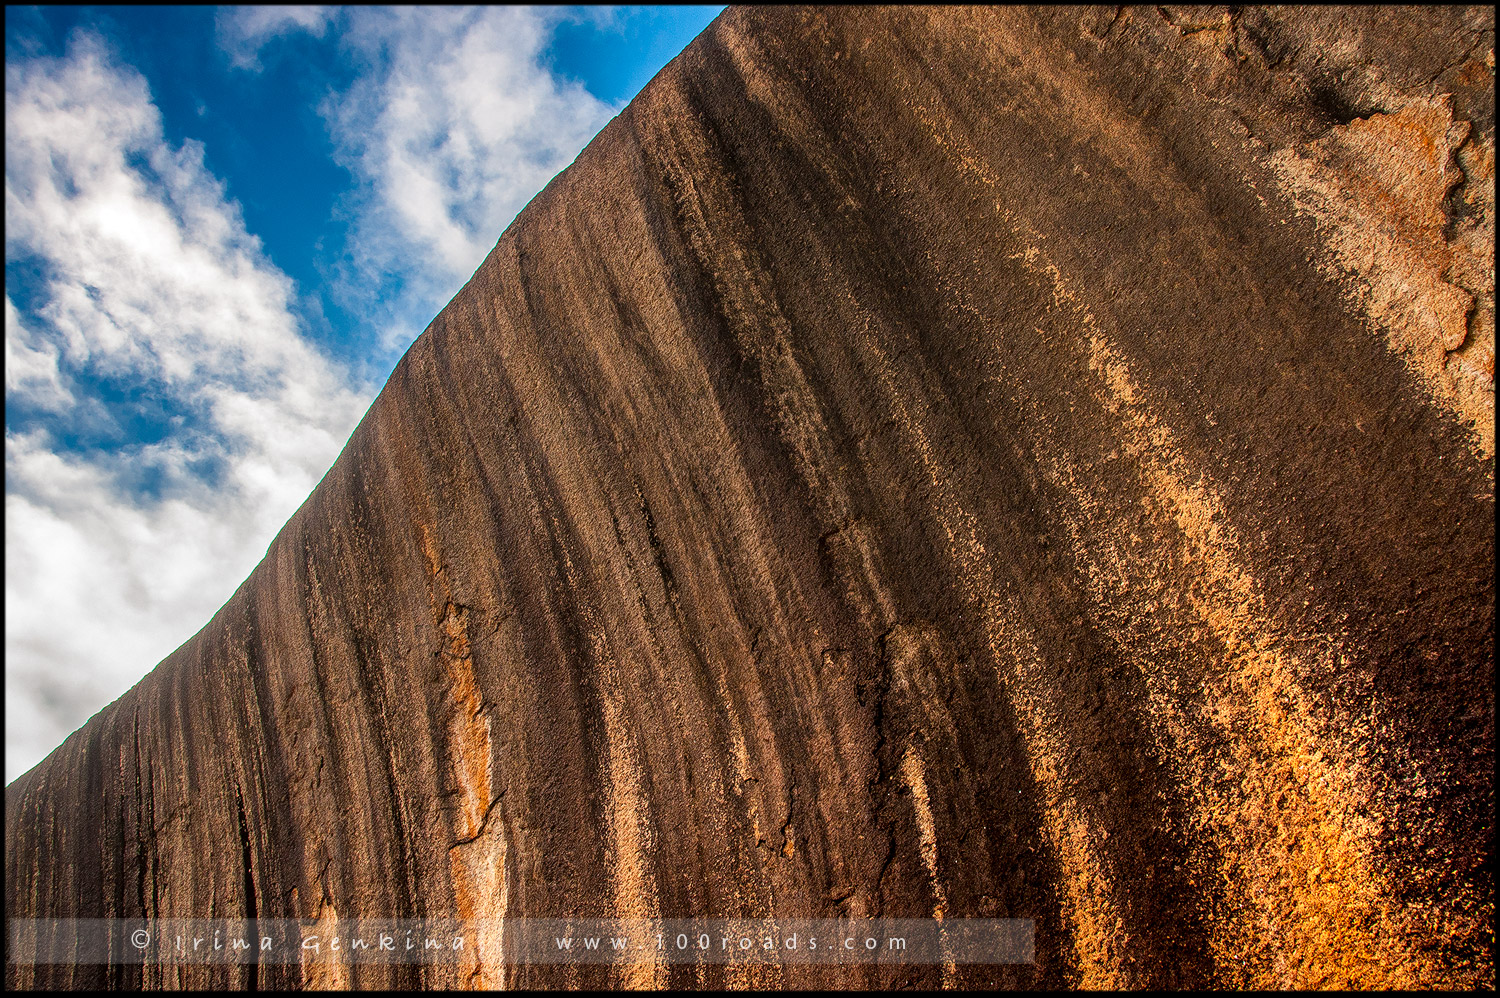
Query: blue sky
pixel 223 228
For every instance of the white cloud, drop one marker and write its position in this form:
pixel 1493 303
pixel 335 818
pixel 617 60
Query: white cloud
pixel 244 31
pixel 454 125
pixel 149 275
pixel 31 366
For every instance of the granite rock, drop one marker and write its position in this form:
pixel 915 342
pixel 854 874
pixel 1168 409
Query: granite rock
pixel 962 462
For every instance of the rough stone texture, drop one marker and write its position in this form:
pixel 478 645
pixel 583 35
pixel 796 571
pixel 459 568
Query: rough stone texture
pixel 990 461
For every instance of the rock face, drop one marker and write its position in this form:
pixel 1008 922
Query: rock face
pixel 985 462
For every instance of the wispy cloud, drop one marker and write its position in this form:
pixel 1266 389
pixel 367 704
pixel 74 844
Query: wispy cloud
pixel 453 125
pixel 164 413
pixel 121 544
pixel 244 31
pixel 31 366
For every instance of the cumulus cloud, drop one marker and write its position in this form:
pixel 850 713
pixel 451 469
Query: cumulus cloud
pixel 244 31
pixel 453 125
pixel 31 366
pixel 118 549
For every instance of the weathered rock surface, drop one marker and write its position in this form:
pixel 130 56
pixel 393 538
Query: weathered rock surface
pixel 997 462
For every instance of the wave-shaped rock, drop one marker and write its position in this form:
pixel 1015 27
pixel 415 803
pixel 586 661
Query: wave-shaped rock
pixel 915 462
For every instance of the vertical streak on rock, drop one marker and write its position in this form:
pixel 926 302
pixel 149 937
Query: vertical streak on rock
pixel 481 889
pixel 321 969
pixel 469 752
pixel 469 727
pixel 916 782
pixel 1088 886
pixel 1322 890
pixel 1253 703
pixel 910 462
pixel 247 866
pixel 1074 831
pixel 477 860
pixel 629 820
pixel 630 833
pixel 718 232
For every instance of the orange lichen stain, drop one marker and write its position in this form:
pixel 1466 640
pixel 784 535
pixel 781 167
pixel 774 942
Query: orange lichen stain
pixel 1089 883
pixel 468 726
pixel 1290 812
pixel 481 893
pixel 477 860
pixel 1298 848
pixel 1472 261
pixel 1376 186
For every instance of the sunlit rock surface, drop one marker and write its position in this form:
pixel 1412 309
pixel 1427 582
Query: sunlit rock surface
pixel 981 462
